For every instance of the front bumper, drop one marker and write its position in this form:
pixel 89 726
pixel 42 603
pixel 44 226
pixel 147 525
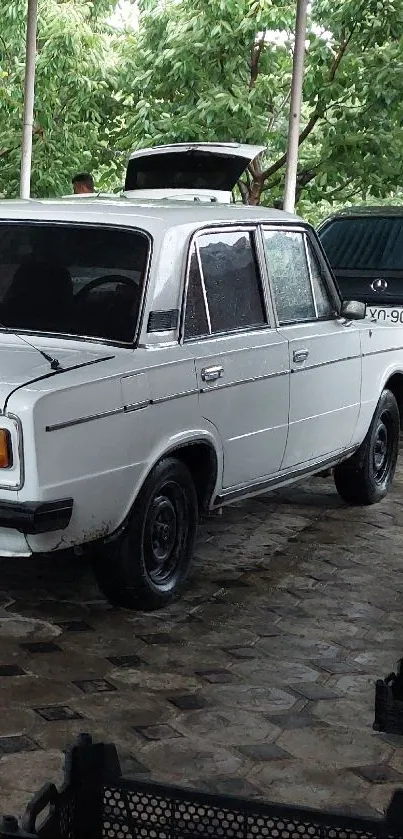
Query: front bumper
pixel 36 516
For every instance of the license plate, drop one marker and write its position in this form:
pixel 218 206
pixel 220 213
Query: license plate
pixel 385 314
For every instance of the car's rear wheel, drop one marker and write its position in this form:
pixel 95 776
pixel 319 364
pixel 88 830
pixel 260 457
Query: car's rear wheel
pixel 146 565
pixel 366 477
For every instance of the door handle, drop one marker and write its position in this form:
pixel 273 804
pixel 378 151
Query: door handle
pixel 300 355
pixel 211 374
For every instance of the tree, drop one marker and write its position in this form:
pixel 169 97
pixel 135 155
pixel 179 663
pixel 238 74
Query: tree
pixel 221 70
pixel 76 77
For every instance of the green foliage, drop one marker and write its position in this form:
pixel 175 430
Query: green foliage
pixel 221 70
pixel 209 70
pixel 76 73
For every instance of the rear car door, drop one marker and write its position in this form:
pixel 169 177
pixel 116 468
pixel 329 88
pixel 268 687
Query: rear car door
pixel 324 351
pixel 241 360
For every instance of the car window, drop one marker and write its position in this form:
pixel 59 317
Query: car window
pixel 196 322
pixel 325 306
pixel 289 273
pixel 364 244
pixel 231 279
pixel 76 280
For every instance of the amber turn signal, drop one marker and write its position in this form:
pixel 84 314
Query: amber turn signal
pixel 6 455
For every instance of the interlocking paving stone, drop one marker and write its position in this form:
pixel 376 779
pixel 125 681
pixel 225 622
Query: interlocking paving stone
pixel 159 638
pixel 337 667
pixel 379 774
pixel 11 670
pixel 311 690
pixel 126 660
pixel 292 721
pixel 53 713
pixel 75 626
pixel 41 647
pixel 265 751
pixel 131 767
pixel 94 685
pixel 294 597
pixel 157 732
pixel 230 786
pixel 17 743
pixel 222 677
pixel 188 702
pixel 241 652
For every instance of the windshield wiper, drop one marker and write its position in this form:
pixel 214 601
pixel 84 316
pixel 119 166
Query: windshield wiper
pixel 54 362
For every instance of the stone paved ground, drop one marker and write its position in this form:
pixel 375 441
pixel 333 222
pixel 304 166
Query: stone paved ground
pixel 259 682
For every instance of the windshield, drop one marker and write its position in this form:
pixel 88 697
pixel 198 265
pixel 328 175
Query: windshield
pixel 76 280
pixel 365 244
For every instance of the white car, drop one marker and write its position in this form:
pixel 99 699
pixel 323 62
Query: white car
pixel 162 356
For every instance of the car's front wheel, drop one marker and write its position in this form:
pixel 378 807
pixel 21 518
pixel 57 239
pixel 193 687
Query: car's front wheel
pixel 366 477
pixel 145 566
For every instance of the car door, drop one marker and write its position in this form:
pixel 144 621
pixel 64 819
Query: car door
pixel 241 361
pixel 324 350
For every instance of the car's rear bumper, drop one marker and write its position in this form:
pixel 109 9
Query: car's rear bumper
pixel 35 516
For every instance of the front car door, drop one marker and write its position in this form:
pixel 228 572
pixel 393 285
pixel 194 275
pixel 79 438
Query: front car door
pixel 325 354
pixel 241 361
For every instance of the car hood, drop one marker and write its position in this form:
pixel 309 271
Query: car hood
pixel 21 364
pixel 197 168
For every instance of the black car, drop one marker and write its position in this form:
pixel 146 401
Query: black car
pixel 364 246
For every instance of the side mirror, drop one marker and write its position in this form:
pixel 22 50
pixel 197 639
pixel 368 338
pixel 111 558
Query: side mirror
pixel 353 310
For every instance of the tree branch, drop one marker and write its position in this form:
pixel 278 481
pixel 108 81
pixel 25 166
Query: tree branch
pixel 277 113
pixel 338 188
pixel 318 112
pixel 256 52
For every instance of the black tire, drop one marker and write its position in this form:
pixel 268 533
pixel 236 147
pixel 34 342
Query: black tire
pixel 146 565
pixel 365 477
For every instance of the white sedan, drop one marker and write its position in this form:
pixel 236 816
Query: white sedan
pixel 162 355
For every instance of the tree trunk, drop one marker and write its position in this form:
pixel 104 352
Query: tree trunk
pixel 255 192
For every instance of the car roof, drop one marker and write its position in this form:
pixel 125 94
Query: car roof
pixel 362 210
pixel 151 215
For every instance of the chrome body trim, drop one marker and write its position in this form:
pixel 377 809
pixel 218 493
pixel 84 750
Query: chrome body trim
pixel 379 352
pixel 280 478
pixel 126 409
pixel 245 381
pixel 323 364
pixel 181 395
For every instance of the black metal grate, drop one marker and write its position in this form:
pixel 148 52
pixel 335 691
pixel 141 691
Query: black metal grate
pixel 95 802
pixel 130 813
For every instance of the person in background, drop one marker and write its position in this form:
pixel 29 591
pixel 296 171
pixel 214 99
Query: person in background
pixel 83 183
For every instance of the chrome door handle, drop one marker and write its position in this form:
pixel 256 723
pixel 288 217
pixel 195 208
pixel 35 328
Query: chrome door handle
pixel 211 374
pixel 300 355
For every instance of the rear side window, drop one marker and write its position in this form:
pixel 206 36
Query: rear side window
pixel 77 280
pixel 227 284
pixel 289 272
pixel 364 244
pixel 196 323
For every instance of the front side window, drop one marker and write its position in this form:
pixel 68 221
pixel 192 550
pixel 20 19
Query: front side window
pixel 77 280
pixel 289 272
pixel 325 307
pixel 226 285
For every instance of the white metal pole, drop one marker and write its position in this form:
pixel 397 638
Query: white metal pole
pixel 29 89
pixel 295 107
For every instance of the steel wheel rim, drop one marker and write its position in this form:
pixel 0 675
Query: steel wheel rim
pixel 165 532
pixel 382 448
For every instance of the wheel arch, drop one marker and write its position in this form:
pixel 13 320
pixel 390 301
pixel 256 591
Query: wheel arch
pixel 395 384
pixel 203 458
